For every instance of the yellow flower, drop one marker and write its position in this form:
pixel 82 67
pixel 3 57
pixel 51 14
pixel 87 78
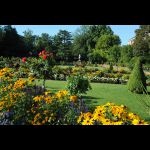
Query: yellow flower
pixel 38 98
pixel 132 116
pixel 19 84
pixel 73 98
pixel 31 79
pixel 98 116
pixel 117 123
pixel 37 116
pixel 88 115
pixel 100 110
pixel 43 122
pixel 106 121
pixel 10 86
pixel 80 118
pixel 145 123
pixel 48 99
pixel 65 92
pixel 88 122
pixel 135 122
pixel 47 92
pixel 46 119
pixel 117 111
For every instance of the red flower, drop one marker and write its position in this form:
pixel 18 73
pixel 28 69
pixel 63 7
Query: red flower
pixel 24 59
pixel 44 57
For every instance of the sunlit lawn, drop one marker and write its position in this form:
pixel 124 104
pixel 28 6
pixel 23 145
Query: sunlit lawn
pixel 102 93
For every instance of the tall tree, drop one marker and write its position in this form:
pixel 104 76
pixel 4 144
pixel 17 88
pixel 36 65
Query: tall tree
pixel 86 37
pixel 105 42
pixel 141 46
pixel 63 43
pixel 43 42
pixel 95 32
pixel 114 54
pixel 29 40
pixel 63 40
pixel 126 54
pixel 12 43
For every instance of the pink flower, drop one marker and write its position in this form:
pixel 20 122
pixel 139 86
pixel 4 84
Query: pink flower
pixel 40 54
pixel 43 52
pixel 24 59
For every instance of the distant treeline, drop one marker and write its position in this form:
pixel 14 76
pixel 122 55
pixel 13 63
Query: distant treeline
pixel 95 43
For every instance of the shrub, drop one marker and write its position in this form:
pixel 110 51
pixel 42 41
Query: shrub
pixel 125 77
pixel 111 67
pixel 137 80
pixel 78 84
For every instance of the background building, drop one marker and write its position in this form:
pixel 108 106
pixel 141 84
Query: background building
pixel 131 41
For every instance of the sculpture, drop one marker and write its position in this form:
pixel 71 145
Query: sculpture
pixel 79 57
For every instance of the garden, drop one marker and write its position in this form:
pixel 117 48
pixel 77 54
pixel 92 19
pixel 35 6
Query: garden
pixel 41 90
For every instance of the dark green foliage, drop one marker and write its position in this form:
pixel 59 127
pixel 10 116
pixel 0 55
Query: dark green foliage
pixel 11 43
pixel 78 85
pixel 141 44
pixel 95 57
pixel 137 80
pixel 111 67
pixel 114 54
pixel 126 54
pixel 86 37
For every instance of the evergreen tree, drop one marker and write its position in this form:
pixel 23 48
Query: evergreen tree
pixel 137 81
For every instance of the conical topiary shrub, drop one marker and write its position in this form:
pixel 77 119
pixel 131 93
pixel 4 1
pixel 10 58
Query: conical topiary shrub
pixel 137 80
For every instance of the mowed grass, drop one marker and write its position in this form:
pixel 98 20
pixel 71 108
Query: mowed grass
pixel 102 93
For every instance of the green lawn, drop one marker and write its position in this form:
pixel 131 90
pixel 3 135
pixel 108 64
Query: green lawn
pixel 102 93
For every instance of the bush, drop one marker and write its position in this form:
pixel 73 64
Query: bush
pixel 137 80
pixel 125 77
pixel 78 85
pixel 111 67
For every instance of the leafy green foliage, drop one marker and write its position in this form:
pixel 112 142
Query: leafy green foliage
pixel 114 54
pixel 86 37
pixel 137 80
pixel 107 41
pixel 95 57
pixel 78 85
pixel 141 44
pixel 11 43
pixel 126 54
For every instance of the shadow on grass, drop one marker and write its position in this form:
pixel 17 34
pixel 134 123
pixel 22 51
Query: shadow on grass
pixel 53 88
pixel 148 93
pixel 147 119
pixel 90 99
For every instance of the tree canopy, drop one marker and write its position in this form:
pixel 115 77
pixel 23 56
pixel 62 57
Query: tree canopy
pixel 141 46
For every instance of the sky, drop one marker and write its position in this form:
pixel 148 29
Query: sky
pixel 125 32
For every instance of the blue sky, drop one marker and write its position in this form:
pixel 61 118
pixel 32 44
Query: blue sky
pixel 125 32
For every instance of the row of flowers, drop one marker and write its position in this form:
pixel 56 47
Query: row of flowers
pixel 110 114
pixel 42 67
pixel 20 103
pixel 94 75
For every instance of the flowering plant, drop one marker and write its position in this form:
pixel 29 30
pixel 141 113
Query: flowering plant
pixel 110 114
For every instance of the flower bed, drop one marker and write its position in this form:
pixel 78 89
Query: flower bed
pixel 110 114
pixel 23 103
pixel 36 67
